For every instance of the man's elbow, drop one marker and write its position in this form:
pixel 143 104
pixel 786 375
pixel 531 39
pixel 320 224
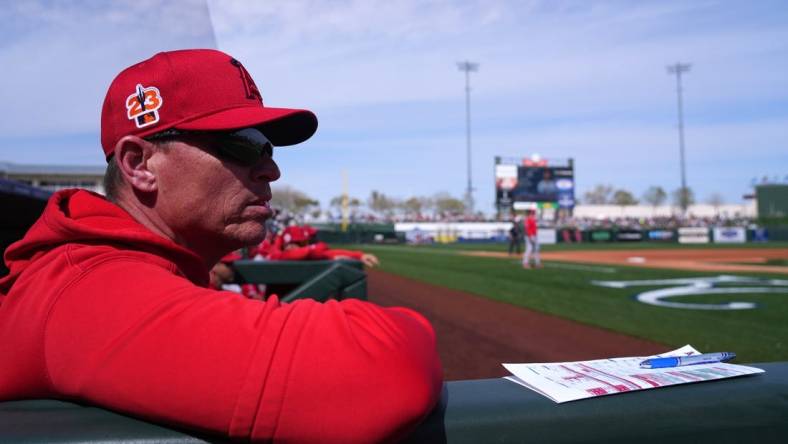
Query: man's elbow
pixel 404 396
pixel 374 380
pixel 412 385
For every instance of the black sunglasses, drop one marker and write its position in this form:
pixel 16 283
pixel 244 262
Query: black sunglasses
pixel 245 146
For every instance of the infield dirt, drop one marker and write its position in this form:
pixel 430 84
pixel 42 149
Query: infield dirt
pixel 752 260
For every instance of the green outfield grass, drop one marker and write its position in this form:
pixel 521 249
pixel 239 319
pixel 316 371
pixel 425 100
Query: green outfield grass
pixel 565 290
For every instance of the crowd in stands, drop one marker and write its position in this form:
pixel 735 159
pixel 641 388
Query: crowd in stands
pixel 645 223
pixel 582 223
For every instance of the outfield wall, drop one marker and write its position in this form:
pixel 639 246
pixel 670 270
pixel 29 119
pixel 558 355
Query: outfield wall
pixel 450 232
pixel 447 232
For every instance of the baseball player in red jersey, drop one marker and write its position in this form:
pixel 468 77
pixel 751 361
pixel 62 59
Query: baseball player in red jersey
pixel 531 241
pixel 299 243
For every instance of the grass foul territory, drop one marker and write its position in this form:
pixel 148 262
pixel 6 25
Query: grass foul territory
pixel 565 289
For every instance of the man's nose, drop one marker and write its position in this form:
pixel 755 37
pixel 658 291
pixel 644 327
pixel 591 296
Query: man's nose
pixel 266 170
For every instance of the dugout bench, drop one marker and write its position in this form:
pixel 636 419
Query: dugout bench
pixel 739 410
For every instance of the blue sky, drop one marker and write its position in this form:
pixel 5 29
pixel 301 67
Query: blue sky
pixel 580 79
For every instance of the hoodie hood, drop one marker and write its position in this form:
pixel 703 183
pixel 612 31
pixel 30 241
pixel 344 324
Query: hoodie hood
pixel 82 217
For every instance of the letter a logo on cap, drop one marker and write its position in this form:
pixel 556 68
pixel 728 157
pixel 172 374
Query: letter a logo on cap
pixel 142 106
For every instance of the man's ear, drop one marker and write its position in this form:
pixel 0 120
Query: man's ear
pixel 132 154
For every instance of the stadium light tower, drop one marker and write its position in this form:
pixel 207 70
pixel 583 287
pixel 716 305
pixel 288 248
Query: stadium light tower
pixel 468 67
pixel 677 69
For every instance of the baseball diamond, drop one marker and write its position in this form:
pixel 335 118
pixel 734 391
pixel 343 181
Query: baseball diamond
pixel 487 310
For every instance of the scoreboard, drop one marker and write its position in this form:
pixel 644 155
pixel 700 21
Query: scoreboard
pixel 534 183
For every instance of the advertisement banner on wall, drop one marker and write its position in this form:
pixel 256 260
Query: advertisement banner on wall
pixel 730 235
pixel 629 236
pixel 601 236
pixel 447 232
pixel 694 235
pixel 547 236
pixel 661 235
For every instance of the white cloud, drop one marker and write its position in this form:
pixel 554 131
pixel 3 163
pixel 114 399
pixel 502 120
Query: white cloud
pixel 570 79
pixel 60 59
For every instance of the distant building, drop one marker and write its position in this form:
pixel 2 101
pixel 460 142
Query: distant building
pixel 55 177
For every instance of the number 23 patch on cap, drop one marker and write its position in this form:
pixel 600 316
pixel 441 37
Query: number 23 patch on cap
pixel 142 106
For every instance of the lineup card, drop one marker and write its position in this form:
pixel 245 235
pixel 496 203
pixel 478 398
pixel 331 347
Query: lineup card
pixel 570 381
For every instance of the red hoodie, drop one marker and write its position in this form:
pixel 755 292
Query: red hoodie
pixel 99 309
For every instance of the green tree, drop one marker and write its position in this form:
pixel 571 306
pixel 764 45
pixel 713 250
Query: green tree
pixel 599 195
pixel 292 200
pixel 380 203
pixel 413 206
pixel 352 202
pixel 624 198
pixel 683 198
pixel 427 204
pixel 448 205
pixel 716 200
pixel 655 196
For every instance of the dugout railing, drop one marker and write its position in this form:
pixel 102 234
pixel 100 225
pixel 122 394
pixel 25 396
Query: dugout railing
pixel 319 280
pixel 739 410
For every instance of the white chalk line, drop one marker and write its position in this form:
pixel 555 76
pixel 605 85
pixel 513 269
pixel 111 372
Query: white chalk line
pixel 580 267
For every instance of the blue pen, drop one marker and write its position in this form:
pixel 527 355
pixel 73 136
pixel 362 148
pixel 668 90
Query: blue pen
pixel 679 361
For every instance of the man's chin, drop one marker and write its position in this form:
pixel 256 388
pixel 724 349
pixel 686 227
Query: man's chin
pixel 248 234
pixel 253 240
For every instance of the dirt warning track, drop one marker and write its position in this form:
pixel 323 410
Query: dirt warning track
pixel 475 335
pixel 751 260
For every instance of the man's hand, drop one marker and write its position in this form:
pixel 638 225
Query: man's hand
pixel 370 260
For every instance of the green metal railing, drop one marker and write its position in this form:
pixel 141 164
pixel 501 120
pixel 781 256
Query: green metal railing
pixel 319 280
pixel 746 409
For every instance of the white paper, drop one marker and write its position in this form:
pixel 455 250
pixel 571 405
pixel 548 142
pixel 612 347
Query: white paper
pixel 570 381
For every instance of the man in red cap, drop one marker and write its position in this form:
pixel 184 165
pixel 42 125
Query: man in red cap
pixel 107 300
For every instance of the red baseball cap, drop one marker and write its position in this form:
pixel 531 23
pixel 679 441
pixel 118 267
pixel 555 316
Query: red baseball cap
pixel 295 233
pixel 309 231
pixel 197 90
